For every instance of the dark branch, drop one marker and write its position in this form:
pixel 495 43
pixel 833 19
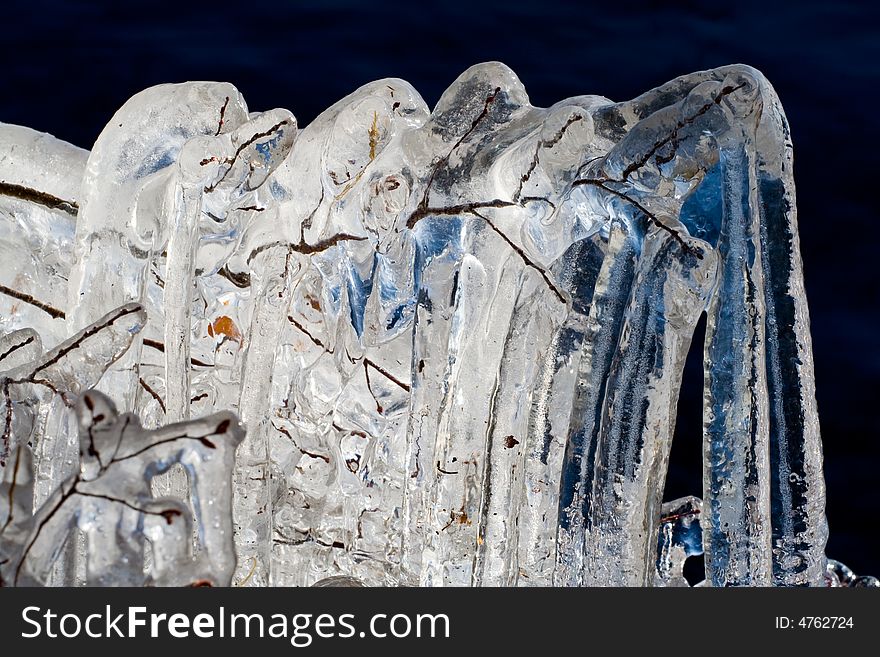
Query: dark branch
pixel 40 198
pixel 673 136
pixel 159 346
pixel 27 298
pixel 452 210
pixel 601 184
pixel 525 258
pixel 305 248
pixel 153 393
pixel 16 347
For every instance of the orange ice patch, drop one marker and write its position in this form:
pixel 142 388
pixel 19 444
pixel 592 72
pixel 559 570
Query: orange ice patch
pixel 224 325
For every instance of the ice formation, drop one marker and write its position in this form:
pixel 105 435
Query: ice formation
pixel 455 339
pixel 100 484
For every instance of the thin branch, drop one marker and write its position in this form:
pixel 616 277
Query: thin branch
pixel 153 393
pixel 27 298
pixel 40 198
pixel 16 347
pixel 443 161
pixel 601 184
pixel 168 514
pixel 525 258
pixel 452 210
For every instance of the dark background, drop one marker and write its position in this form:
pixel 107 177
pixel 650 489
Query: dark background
pixel 65 67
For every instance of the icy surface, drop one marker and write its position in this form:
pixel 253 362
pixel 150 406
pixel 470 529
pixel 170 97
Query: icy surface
pixel 94 492
pixel 680 537
pixel 455 337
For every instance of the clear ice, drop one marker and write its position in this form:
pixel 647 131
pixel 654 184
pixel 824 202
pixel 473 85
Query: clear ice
pixel 455 339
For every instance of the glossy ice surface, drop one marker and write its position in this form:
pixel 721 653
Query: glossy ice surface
pixel 454 337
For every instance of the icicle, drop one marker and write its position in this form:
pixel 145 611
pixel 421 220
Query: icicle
pixel 277 272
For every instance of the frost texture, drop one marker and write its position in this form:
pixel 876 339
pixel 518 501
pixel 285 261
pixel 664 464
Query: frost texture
pixel 455 337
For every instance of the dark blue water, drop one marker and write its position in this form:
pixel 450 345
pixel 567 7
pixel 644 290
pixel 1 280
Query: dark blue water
pixel 65 67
